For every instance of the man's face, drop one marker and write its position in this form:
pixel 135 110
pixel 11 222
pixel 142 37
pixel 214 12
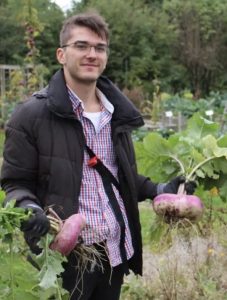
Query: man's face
pixel 84 56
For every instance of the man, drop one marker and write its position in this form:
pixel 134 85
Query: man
pixel 69 147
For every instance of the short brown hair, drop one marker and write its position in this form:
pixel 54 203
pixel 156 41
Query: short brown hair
pixel 91 20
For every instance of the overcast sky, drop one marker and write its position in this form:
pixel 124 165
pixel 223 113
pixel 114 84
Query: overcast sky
pixel 64 4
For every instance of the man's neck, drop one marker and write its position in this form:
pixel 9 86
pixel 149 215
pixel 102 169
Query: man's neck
pixel 87 94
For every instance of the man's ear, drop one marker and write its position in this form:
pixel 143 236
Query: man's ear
pixel 60 54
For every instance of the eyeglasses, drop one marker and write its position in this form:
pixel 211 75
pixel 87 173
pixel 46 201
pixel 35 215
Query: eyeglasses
pixel 85 47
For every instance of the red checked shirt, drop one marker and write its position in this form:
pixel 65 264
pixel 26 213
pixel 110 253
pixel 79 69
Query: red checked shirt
pixel 93 201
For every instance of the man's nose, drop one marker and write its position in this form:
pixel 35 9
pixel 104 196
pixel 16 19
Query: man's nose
pixel 92 51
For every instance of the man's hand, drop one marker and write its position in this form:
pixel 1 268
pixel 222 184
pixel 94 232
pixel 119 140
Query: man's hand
pixel 172 186
pixel 38 224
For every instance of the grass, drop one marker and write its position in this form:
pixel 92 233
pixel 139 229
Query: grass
pixel 146 218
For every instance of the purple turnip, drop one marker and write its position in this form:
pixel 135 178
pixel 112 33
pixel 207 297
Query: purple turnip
pixel 68 233
pixel 66 240
pixel 178 206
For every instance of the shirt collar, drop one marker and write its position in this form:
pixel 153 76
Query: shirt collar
pixel 76 101
pixel 105 102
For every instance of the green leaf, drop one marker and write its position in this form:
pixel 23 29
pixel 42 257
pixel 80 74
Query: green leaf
pixel 24 277
pixel 162 149
pixel 200 174
pixel 222 141
pixel 223 192
pixel 197 156
pixel 2 197
pixel 156 146
pixel 211 147
pixel 198 127
pixel 50 271
pixel 50 263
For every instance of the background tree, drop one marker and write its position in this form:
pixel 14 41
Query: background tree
pixel 130 54
pixel 12 47
pixel 47 18
pixel 52 18
pixel 181 45
pixel 200 27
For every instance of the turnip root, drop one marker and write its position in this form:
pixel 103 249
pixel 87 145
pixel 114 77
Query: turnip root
pixel 178 206
pixel 67 238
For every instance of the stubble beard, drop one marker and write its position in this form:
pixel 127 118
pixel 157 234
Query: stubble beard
pixel 86 79
pixel 82 78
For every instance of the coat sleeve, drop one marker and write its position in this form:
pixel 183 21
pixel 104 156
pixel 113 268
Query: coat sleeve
pixel 20 158
pixel 146 188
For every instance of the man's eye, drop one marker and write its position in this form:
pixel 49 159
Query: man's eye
pixel 100 49
pixel 81 46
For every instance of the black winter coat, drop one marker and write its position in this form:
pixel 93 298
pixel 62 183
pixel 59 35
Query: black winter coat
pixel 44 149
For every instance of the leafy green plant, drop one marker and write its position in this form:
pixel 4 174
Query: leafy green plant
pixel 197 153
pixel 20 280
pixel 134 288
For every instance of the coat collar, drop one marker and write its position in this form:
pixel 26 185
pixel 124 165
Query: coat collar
pixel 124 111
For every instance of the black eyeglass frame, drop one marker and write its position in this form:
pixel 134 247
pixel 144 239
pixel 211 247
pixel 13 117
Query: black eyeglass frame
pixel 99 48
